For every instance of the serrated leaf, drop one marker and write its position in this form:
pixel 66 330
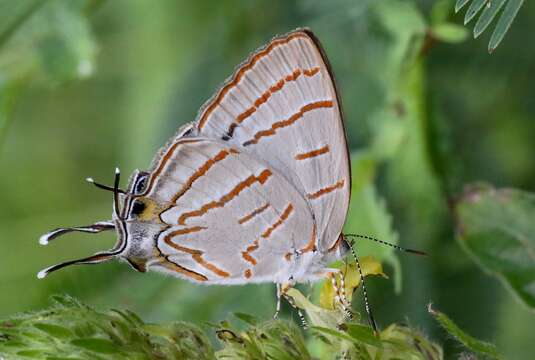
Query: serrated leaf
pixel 497 230
pixel 471 343
pixel 460 4
pixel 504 23
pixel 474 8
pixel 487 16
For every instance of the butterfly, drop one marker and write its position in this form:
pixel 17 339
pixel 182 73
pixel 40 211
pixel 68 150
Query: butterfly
pixel 255 190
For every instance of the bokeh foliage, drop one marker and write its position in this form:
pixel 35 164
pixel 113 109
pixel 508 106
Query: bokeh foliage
pixel 88 85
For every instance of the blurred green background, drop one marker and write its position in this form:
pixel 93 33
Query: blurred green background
pixel 89 85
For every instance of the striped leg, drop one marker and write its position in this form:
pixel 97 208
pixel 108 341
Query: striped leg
pixel 340 293
pixel 291 301
pixel 279 294
pixel 343 296
pixel 283 289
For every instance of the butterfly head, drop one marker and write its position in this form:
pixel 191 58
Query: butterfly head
pixel 133 218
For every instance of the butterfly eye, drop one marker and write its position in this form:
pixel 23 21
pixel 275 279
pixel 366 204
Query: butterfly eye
pixel 140 183
pixel 137 207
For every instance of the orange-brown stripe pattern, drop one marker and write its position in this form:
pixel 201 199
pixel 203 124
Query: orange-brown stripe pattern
pixel 239 74
pixel 311 245
pixel 196 255
pixel 273 89
pixel 165 158
pixel 247 253
pixel 202 170
pixel 252 214
pixel 291 120
pixel 310 154
pixel 182 270
pixel 279 222
pixel 326 190
pixel 262 178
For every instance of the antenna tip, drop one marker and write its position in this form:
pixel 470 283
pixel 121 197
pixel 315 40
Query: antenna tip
pixel 117 171
pixel 90 180
pixel 43 240
pixel 41 274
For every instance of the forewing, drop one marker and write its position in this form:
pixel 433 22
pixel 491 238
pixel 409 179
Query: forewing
pixel 281 106
pixel 230 218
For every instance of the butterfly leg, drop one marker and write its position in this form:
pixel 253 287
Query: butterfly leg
pixel 340 293
pixel 279 295
pixel 282 292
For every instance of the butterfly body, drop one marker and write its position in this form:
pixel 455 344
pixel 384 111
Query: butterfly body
pixel 256 189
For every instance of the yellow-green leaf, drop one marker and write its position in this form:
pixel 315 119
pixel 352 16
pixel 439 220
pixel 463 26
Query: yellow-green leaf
pixel 369 266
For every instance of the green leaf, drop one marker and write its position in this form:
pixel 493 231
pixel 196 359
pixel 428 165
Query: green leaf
pixel 50 40
pixel 70 328
pixel 474 8
pixel 369 266
pixel 492 7
pixel 497 230
pixel 460 4
pixel 274 339
pixel 246 318
pixel 9 93
pixel 102 346
pixel 368 215
pixel 504 23
pixel 487 16
pixel 363 334
pixel 450 33
pixel 471 343
pixel 53 330
pixel 332 332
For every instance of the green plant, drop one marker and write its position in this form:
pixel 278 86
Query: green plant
pixel 491 8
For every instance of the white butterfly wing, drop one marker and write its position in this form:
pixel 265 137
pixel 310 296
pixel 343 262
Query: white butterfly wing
pixel 229 217
pixel 281 106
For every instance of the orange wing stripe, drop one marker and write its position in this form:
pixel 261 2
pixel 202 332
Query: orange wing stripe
pixel 262 178
pixel 326 190
pixel 251 215
pixel 168 154
pixel 196 255
pixel 239 74
pixel 311 246
pixel 273 89
pixel 292 119
pixel 246 254
pixel 313 153
pixel 182 270
pixel 202 170
pixel 185 231
pixel 279 222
